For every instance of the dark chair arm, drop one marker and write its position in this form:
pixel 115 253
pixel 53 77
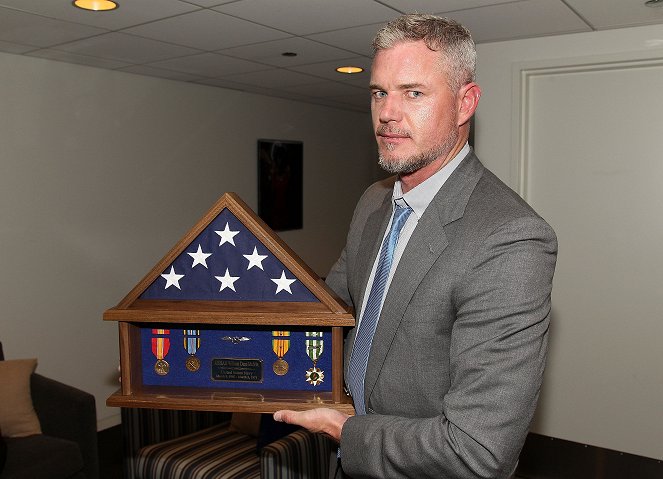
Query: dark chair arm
pixel 68 413
pixel 299 455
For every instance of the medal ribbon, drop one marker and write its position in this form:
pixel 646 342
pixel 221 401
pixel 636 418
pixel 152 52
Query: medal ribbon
pixel 280 346
pixel 314 347
pixel 191 340
pixel 160 345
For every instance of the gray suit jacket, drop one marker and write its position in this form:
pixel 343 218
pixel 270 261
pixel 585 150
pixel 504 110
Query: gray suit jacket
pixel 457 359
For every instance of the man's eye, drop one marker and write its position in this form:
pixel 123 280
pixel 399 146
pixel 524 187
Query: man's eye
pixel 414 94
pixel 379 94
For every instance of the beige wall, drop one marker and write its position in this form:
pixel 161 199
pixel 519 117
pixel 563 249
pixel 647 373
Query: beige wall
pixel 572 123
pixel 102 172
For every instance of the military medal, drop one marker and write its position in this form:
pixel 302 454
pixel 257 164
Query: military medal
pixel 191 344
pixel 280 347
pixel 314 348
pixel 160 348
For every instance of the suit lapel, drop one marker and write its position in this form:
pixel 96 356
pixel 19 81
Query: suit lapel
pixel 369 247
pixel 427 242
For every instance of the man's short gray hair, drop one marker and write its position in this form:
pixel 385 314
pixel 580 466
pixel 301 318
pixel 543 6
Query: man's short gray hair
pixel 450 38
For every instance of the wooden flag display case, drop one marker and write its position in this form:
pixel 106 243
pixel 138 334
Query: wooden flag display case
pixel 231 319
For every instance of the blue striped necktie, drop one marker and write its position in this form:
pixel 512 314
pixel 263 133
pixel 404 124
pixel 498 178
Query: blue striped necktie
pixel 369 319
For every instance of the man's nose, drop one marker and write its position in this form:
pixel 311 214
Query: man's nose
pixel 391 109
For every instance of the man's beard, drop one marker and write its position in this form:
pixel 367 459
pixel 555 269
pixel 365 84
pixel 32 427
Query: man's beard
pixel 405 165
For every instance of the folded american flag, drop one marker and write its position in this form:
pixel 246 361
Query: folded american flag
pixel 226 262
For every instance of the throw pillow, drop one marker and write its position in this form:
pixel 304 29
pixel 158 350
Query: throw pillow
pixel 17 414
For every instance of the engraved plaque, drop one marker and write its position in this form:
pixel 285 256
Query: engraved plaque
pixel 237 370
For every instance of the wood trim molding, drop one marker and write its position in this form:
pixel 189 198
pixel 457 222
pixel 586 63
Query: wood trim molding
pixel 522 75
pixel 548 457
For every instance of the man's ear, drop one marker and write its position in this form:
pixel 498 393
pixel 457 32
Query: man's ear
pixel 468 100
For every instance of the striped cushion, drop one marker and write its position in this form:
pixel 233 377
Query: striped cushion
pixel 300 455
pixel 141 427
pixel 215 452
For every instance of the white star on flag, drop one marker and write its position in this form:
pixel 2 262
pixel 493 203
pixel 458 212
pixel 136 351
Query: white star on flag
pixel 255 259
pixel 283 283
pixel 227 281
pixel 199 257
pixel 172 278
pixel 227 236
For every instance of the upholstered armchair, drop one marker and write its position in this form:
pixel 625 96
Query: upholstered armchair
pixel 203 445
pixel 61 442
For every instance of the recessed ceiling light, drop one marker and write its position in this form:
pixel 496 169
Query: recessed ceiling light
pixel 95 5
pixel 654 3
pixel 349 69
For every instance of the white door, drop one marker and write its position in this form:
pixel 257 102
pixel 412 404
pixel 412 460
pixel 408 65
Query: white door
pixel 592 165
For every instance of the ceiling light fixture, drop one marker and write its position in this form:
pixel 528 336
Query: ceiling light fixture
pixel 349 69
pixel 654 3
pixel 96 5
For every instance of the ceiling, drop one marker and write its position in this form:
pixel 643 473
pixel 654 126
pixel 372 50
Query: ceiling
pixel 239 44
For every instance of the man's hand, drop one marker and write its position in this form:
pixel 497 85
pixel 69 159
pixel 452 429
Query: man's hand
pixel 322 420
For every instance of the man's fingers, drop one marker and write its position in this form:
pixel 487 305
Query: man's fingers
pixel 322 420
pixel 284 416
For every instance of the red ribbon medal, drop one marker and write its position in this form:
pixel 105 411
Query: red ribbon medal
pixel 160 348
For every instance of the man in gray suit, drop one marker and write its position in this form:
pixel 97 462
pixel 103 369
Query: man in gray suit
pixel 447 359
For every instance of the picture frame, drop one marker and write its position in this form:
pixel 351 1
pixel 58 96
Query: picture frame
pixel 280 183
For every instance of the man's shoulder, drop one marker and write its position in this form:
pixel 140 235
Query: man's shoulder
pixel 376 194
pixel 484 198
pixel 493 204
pixel 493 193
pixel 383 186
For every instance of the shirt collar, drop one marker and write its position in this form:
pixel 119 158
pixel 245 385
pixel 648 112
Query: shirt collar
pixel 419 197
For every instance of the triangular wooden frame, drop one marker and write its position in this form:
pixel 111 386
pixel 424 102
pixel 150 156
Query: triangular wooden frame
pixel 131 308
pixel 132 312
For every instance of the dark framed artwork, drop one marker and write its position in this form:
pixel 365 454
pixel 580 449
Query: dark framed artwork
pixel 280 183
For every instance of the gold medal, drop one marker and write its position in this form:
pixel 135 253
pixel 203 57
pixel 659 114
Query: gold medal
pixel 192 364
pixel 161 367
pixel 280 367
pixel 191 344
pixel 280 346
